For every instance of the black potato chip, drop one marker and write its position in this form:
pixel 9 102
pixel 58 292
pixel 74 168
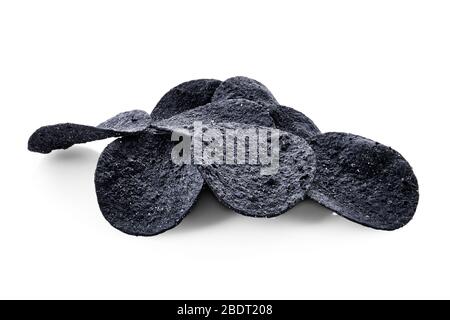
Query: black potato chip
pixel 247 190
pixel 186 96
pixel 363 181
pixel 293 121
pixel 128 122
pixel 243 88
pixel 238 111
pixel 64 135
pixel 140 190
pixel 285 118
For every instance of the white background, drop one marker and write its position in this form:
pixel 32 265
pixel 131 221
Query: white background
pixel 380 69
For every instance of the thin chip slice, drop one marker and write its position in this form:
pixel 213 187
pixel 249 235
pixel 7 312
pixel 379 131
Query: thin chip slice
pixel 130 121
pixel 285 118
pixel 246 189
pixel 186 96
pixel 140 190
pixel 243 88
pixel 64 135
pixel 363 181
pixel 237 111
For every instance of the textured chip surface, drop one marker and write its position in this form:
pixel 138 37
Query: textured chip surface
pixel 285 118
pixel 293 121
pixel 130 121
pixel 140 191
pixel 186 96
pixel 64 135
pixel 243 88
pixel 229 111
pixel 363 181
pixel 245 190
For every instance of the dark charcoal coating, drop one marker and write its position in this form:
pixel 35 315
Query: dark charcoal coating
pixel 285 118
pixel 64 135
pixel 140 190
pixel 243 88
pixel 186 96
pixel 129 121
pixel 293 121
pixel 243 189
pixel 363 181
pixel 238 111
